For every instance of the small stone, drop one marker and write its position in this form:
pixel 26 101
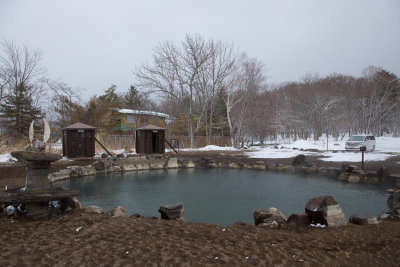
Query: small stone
pixel 119 212
pixel 93 209
pixel 363 219
pixel 172 212
pixel 270 217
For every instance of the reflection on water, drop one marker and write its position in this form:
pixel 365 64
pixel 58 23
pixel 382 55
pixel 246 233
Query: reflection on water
pixel 222 196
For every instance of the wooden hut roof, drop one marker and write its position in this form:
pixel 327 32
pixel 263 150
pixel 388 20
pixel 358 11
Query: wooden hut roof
pixel 78 125
pixel 151 127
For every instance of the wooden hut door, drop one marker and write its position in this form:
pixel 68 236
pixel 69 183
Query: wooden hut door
pixel 81 143
pixel 154 142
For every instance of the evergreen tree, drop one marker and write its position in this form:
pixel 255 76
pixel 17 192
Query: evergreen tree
pixel 18 110
pixel 132 99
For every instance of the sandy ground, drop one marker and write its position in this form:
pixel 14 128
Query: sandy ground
pixel 106 241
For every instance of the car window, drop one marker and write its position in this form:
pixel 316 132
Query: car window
pixel 356 138
pixel 372 137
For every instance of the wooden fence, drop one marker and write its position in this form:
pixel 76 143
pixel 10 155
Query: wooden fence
pixel 128 141
pixel 201 141
pixel 118 141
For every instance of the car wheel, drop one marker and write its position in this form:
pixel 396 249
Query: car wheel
pixel 373 148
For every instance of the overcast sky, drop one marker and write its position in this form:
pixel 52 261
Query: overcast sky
pixel 93 44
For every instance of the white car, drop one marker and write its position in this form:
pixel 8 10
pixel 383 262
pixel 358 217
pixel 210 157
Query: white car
pixel 356 141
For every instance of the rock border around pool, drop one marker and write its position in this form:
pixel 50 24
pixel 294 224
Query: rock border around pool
pixel 118 165
pixel 347 173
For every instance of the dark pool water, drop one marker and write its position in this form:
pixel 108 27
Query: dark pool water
pixel 222 196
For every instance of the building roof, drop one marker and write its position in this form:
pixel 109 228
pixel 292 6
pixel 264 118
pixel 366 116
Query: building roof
pixel 142 112
pixel 79 125
pixel 150 127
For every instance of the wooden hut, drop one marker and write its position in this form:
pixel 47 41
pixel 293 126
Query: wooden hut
pixel 150 139
pixel 79 140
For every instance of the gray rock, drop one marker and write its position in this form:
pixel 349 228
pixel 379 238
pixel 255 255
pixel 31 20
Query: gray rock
pixel 172 212
pixel 260 165
pixel 234 165
pixel 87 171
pixel 156 166
pixel 325 210
pixel 129 167
pixel 116 169
pixel 344 176
pixel 270 217
pixel 99 165
pixel 82 171
pixel 93 209
pixel 59 175
pixel 119 212
pixel 354 178
pixel 172 163
pixel 363 219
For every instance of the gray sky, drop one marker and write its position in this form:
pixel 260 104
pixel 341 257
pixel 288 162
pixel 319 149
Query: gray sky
pixel 93 44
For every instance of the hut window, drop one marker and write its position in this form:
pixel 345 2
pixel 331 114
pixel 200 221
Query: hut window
pixel 144 120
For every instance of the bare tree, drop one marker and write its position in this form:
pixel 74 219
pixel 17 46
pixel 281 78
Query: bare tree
pixel 241 98
pixel 176 75
pixel 23 81
pixel 213 78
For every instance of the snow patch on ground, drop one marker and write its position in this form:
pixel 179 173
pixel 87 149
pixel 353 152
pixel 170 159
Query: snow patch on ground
pixel 386 147
pixel 211 148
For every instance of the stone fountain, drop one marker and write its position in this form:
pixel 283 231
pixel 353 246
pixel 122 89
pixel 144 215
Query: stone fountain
pixel 38 190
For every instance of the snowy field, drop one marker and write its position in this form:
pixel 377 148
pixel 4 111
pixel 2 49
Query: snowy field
pixel 386 147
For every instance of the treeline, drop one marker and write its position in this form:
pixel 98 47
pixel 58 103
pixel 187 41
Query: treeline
pixel 208 85
pixel 210 89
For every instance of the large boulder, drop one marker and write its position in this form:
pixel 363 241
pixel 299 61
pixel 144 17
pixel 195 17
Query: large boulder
pixel 172 212
pixel 325 210
pixel 118 211
pixel 296 220
pixel 270 217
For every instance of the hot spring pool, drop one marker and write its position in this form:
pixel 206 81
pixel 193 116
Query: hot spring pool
pixel 222 196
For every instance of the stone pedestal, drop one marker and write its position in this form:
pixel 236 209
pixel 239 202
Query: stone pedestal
pixel 38 190
pixel 37 169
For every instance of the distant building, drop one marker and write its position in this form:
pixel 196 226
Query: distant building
pixel 128 120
